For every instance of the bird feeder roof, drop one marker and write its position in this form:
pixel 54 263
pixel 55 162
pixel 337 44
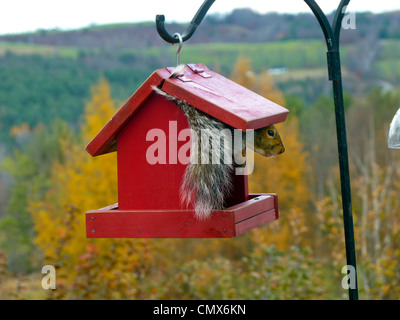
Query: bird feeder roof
pixel 205 90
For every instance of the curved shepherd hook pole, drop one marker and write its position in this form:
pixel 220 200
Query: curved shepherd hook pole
pixel 332 37
pixel 160 20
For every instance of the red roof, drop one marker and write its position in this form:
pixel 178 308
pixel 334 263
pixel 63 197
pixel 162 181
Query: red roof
pixel 207 91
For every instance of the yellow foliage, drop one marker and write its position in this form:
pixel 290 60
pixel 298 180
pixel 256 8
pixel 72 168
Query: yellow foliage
pixel 266 87
pixel 262 83
pixel 99 110
pixel 243 73
pixel 286 175
pixel 18 129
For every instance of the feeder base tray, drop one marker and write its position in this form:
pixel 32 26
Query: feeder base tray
pixel 110 222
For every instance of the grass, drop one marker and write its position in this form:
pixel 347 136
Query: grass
pixel 43 50
pixel 293 54
pixel 300 74
pixel 114 25
pixel 290 54
pixel 22 288
pixel 390 49
pixel 389 69
pixel 388 64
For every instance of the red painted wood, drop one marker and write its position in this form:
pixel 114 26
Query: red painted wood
pixel 104 141
pixel 240 191
pixel 157 224
pixel 254 206
pixel 142 185
pixel 226 100
pixel 116 223
pixel 255 221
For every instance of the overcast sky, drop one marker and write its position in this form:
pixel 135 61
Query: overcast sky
pixel 30 15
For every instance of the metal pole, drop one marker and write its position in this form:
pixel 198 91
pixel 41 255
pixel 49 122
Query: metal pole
pixel 332 35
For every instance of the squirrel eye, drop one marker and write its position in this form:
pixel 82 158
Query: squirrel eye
pixel 271 133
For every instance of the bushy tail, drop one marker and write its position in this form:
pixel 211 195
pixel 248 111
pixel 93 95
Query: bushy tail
pixel 205 185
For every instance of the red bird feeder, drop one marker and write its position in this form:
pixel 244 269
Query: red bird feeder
pixel 149 203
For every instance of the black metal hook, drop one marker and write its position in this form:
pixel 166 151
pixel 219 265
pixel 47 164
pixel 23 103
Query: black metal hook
pixel 331 33
pixel 160 20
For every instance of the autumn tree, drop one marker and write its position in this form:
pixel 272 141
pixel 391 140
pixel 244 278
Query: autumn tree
pixel 262 83
pixel 318 132
pixel 288 176
pixel 29 170
pixel 375 189
pixel 243 73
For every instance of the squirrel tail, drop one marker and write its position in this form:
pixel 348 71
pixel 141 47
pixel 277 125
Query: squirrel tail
pixel 206 185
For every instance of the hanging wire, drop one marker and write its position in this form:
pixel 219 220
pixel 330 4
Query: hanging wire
pixel 179 37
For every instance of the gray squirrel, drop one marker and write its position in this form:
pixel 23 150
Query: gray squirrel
pixel 207 185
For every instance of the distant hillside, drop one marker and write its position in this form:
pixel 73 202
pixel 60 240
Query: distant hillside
pixel 48 74
pixel 242 25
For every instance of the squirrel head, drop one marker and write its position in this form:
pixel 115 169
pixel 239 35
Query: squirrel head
pixel 268 142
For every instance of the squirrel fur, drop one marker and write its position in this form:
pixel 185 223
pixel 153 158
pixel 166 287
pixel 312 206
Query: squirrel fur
pixel 207 185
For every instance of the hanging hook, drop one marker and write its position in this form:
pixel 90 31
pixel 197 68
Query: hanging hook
pixel 160 20
pixel 331 33
pixel 178 35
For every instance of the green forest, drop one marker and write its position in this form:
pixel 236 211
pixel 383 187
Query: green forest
pixel 59 88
